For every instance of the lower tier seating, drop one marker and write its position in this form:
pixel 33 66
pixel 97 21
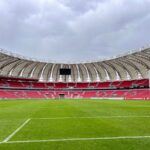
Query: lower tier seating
pixel 125 94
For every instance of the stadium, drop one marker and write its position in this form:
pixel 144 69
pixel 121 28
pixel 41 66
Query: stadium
pixel 124 77
pixel 88 104
pixel 72 81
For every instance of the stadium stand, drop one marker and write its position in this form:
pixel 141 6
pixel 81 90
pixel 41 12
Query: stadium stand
pixel 121 77
pixel 18 88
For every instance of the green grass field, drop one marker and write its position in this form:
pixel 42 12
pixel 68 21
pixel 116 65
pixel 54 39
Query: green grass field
pixel 74 125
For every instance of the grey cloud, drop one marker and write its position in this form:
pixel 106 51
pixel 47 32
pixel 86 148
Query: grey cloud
pixel 68 30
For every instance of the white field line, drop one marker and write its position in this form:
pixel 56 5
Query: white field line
pixel 17 130
pixel 78 139
pixel 55 118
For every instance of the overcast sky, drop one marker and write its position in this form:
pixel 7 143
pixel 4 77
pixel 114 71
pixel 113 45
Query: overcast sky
pixel 73 30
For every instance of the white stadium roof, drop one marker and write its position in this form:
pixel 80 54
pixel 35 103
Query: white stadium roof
pixel 132 65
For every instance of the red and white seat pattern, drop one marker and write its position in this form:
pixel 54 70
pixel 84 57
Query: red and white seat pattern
pixel 25 88
pixel 126 94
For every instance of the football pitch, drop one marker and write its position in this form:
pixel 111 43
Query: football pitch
pixel 74 125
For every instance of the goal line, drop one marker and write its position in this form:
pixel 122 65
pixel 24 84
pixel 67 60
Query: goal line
pixel 78 139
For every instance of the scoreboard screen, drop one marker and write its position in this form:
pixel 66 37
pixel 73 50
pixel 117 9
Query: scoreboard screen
pixel 64 71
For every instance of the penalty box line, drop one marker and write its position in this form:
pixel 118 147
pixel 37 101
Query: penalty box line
pixel 17 130
pixel 78 139
pixel 55 118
